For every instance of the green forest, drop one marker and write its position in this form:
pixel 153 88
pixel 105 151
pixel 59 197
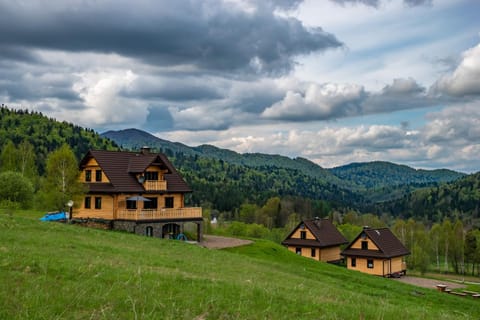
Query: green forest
pixel 435 213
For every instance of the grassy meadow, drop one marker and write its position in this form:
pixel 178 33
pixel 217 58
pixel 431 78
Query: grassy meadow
pixel 59 271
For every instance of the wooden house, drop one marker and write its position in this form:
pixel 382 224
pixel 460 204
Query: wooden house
pixel 318 239
pixel 139 192
pixel 377 252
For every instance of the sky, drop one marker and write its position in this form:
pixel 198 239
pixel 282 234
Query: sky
pixel 333 81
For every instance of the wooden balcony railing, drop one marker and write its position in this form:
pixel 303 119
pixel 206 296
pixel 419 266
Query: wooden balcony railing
pixel 160 214
pixel 157 185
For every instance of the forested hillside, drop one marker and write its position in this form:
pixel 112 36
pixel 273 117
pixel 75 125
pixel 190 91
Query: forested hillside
pixel 358 185
pixel 460 199
pixel 45 134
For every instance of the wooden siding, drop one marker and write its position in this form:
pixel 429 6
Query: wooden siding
pixel 93 165
pixel 115 207
pixel 381 267
pixel 330 254
pixel 160 214
pixel 358 244
pixel 324 254
pixel 106 212
pixel 296 234
pixel 361 265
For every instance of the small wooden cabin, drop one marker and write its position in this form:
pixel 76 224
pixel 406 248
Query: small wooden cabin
pixel 317 238
pixel 377 252
pixel 139 192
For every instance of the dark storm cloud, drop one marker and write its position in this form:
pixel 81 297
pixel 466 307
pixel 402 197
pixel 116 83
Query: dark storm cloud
pixel 376 3
pixel 211 34
pixel 174 89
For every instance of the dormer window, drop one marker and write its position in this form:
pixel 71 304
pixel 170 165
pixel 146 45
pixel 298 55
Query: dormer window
pixel 98 175
pixel 88 175
pixel 151 176
pixel 364 245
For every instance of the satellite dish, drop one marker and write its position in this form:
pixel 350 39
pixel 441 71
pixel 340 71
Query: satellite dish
pixel 141 179
pixel 70 203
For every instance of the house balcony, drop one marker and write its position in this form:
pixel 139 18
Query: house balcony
pixel 155 185
pixel 160 214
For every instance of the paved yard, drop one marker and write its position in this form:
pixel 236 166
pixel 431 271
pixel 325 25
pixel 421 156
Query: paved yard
pixel 217 242
pixel 428 283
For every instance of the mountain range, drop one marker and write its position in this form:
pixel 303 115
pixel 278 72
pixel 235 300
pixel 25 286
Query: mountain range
pixel 354 176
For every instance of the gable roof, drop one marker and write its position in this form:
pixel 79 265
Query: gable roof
pixel 325 233
pixel 388 244
pixel 121 168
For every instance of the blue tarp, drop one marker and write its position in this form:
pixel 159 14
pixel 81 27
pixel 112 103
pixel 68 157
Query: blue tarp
pixel 55 216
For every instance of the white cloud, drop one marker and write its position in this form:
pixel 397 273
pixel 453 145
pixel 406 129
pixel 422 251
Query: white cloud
pixel 100 91
pixel 465 79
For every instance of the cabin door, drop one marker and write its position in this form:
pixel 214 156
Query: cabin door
pixel 387 267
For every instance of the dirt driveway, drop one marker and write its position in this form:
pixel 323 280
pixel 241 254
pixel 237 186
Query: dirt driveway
pixel 428 283
pixel 217 242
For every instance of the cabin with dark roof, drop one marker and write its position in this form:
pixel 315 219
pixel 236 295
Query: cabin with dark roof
pixel 377 252
pixel 139 192
pixel 317 238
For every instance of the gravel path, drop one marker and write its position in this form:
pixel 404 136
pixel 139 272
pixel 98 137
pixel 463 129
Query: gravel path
pixel 428 283
pixel 217 242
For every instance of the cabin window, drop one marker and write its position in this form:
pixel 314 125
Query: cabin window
pixel 370 263
pixel 98 202
pixel 151 175
pixel 364 245
pixel 298 251
pixel 88 175
pixel 313 252
pixel 98 175
pixel 88 202
pixel 149 231
pixel 131 204
pixel 303 234
pixel 169 202
pixel 152 204
pixel 353 262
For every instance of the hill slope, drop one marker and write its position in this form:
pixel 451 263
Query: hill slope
pixel 46 134
pixel 57 271
pixel 356 185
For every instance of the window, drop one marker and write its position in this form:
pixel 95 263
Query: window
pixel 370 263
pixel 98 175
pixel 313 252
pixel 131 204
pixel 152 204
pixel 353 262
pixel 303 234
pixel 88 175
pixel 298 251
pixel 98 202
pixel 364 245
pixel 149 231
pixel 88 202
pixel 169 202
pixel 151 175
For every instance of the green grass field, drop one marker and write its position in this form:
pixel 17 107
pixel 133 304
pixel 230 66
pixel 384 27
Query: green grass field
pixel 58 271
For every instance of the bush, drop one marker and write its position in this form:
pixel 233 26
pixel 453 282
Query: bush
pixel 15 190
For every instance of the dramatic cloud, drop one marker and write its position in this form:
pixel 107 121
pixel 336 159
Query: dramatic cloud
pixel 333 81
pixel 465 79
pixel 211 35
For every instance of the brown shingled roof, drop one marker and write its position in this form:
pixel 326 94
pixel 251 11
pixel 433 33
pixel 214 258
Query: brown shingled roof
pixel 121 166
pixel 388 244
pixel 325 233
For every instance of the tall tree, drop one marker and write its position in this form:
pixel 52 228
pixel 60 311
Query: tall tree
pixel 8 157
pixel 61 181
pixel 435 236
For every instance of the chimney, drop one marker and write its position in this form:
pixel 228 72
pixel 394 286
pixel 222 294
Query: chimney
pixel 145 150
